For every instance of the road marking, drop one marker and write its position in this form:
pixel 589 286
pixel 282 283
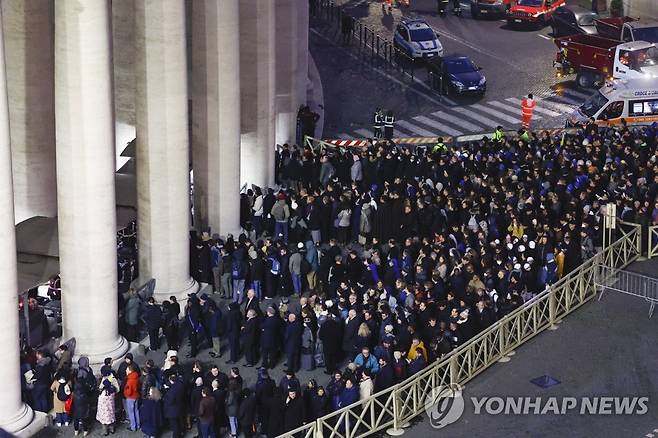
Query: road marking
pixel 397 133
pixel 509 108
pixel 365 133
pixel 415 129
pixel 497 114
pixel 390 77
pixel 538 109
pixel 475 116
pixel 555 102
pixel 441 115
pixel 437 125
pixel 544 36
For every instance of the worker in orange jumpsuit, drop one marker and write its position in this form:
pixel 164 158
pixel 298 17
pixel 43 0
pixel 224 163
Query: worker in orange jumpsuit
pixel 527 107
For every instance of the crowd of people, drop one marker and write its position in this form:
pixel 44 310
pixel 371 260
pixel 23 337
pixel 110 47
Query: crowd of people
pixel 371 264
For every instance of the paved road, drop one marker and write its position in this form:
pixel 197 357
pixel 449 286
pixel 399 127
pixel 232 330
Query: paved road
pixel 515 63
pixel 605 349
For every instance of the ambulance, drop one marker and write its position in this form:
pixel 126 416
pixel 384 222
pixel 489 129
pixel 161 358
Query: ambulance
pixel 635 101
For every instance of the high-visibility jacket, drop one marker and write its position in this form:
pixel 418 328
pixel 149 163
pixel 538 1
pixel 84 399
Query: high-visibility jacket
pixel 378 120
pixel 498 135
pixel 439 148
pixel 525 136
pixel 388 121
pixel 527 106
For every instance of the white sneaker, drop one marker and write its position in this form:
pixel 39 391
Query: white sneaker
pixel 66 423
pixel 58 424
pixel 76 433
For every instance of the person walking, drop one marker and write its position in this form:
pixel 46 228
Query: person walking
pixel 389 123
pixel 105 409
pixel 131 395
pixel 527 107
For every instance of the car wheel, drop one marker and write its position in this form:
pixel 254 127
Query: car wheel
pixel 542 22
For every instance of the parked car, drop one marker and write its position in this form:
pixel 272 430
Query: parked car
pixel 416 39
pixel 573 20
pixel 458 75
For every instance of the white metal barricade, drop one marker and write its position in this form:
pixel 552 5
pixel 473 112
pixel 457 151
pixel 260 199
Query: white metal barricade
pixel 629 283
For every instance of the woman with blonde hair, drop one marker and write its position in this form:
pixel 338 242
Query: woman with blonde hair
pixel 363 337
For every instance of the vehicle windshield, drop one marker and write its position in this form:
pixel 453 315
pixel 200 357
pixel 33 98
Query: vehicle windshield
pixel 586 20
pixel 460 66
pixel 593 104
pixel 425 34
pixel 645 57
pixel 648 34
pixel 533 3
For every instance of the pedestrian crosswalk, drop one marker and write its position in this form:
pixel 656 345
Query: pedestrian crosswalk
pixel 550 112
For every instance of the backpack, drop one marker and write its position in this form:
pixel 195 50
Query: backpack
pixel 61 392
pixel 276 266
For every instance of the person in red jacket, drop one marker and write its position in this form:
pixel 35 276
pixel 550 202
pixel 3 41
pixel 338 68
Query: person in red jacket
pixel 131 395
pixel 527 107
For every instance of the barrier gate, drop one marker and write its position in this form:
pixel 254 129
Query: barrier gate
pixel 629 283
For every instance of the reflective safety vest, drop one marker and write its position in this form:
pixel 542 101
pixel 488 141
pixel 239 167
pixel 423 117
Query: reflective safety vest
pixel 378 120
pixel 439 147
pixel 525 136
pixel 498 135
pixel 527 106
pixel 388 121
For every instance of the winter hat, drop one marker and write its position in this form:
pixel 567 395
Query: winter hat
pixel 532 244
pixel 329 303
pixel 300 245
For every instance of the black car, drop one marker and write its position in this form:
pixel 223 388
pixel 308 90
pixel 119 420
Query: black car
pixel 456 74
pixel 572 20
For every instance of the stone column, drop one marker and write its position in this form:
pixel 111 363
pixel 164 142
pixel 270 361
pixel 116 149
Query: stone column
pixel 257 87
pixel 163 203
pixel 302 51
pixel 28 28
pixel 85 177
pixel 215 89
pixel 287 68
pixel 15 415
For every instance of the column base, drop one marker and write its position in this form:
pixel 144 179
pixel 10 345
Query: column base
pixel 26 422
pixel 116 351
pixel 161 295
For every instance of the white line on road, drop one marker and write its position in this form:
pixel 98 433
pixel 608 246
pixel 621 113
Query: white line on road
pixel 544 36
pixel 437 125
pixel 415 129
pixel 399 134
pixel 392 78
pixel 364 132
pixel 459 121
pixel 509 108
pixel 497 114
pixel 475 116
pixel 538 109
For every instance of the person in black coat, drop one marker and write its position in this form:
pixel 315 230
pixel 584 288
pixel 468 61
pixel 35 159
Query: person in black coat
pixel 385 377
pixel 252 302
pixel 250 334
pixel 81 409
pixel 293 410
pixel 320 404
pixel 172 401
pixel 270 338
pixel 264 390
pixel 350 334
pixel 153 318
pixel 276 410
pixel 293 342
pixel 331 335
pixel 219 393
pixel 233 328
pixel 247 413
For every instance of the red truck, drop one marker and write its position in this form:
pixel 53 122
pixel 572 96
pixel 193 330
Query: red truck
pixel 532 12
pixel 594 59
pixel 627 29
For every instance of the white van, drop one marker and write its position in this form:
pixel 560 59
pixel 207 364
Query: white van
pixel 635 101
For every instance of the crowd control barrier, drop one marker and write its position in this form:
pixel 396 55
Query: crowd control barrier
pixel 395 407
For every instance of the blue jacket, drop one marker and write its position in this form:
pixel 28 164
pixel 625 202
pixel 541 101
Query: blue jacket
pixel 216 323
pixel 173 400
pixel 312 255
pixel 348 396
pixel 370 363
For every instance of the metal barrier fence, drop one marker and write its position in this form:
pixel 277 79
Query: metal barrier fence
pixel 652 241
pixel 630 283
pixel 370 44
pixel 396 406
